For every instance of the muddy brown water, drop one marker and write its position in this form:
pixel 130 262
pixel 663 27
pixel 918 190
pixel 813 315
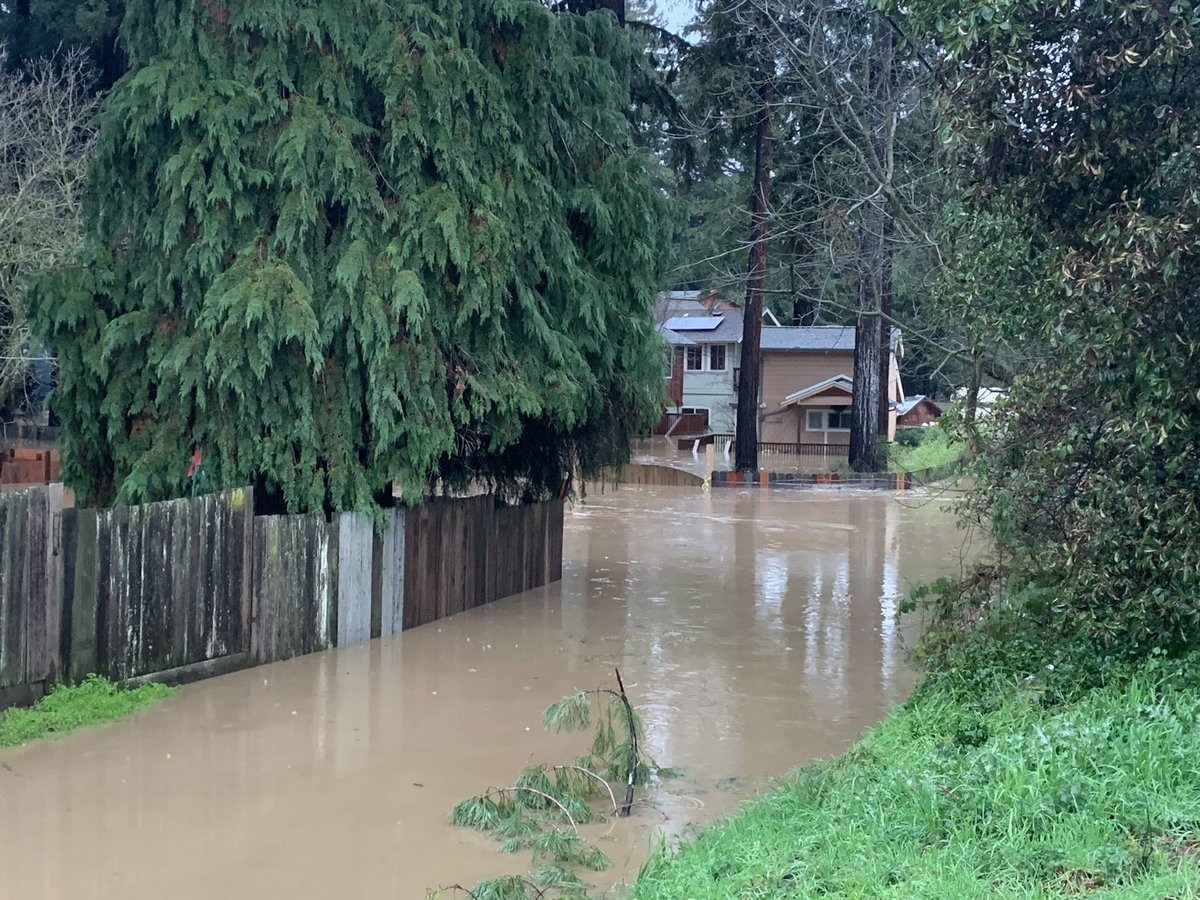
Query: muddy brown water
pixel 754 630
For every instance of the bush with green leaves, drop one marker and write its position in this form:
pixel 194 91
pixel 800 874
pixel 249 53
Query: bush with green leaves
pixel 332 245
pixel 1079 122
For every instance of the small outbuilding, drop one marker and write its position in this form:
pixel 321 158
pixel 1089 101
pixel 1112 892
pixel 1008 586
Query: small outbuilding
pixel 916 411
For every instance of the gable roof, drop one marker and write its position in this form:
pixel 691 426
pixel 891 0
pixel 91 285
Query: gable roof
pixel 909 402
pixel 837 382
pixel 818 338
pixel 674 338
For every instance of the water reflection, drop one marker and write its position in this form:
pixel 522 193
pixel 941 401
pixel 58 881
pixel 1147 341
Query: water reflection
pixel 755 631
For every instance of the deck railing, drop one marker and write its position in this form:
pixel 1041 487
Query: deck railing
pixel 789 448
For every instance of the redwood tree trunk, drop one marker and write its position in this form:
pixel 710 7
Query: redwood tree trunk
pixel 746 447
pixel 885 308
pixel 874 269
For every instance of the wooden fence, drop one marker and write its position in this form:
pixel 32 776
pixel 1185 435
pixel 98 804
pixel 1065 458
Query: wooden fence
pixel 647 474
pixel 30 590
pixel 522 549
pixel 189 588
pixel 790 448
pixel 166 585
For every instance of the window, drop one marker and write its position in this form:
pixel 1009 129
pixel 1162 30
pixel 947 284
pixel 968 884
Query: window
pixel 694 410
pixel 828 419
pixel 716 357
pixel 693 359
pixel 668 362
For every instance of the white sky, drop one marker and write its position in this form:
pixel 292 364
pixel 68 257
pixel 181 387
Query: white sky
pixel 678 13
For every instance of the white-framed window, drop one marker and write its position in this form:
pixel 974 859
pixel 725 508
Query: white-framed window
pixel 693 358
pixel 668 362
pixel 828 419
pixel 694 410
pixel 716 357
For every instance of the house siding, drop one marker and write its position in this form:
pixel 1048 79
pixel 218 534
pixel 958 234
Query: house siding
pixel 784 373
pixel 713 391
pixel 787 371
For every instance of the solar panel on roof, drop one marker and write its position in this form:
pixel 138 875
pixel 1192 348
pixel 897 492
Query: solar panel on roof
pixel 694 323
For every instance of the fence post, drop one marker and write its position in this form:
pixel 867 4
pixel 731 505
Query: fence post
pixel 356 540
pixel 391 575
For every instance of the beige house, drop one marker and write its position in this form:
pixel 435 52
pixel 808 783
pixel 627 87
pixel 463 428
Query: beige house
pixel 807 382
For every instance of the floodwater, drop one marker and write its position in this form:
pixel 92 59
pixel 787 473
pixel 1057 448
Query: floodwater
pixel 754 630
pixel 703 461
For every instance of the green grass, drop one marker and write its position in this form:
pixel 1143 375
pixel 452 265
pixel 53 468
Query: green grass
pixel 67 708
pixel 969 794
pixel 936 449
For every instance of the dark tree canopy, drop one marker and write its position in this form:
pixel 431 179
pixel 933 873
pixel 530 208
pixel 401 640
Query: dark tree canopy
pixel 39 29
pixel 332 244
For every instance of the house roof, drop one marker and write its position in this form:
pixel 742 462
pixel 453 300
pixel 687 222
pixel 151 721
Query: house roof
pixel 827 338
pixel 837 382
pixel 909 402
pixel 691 312
pixel 821 338
pixel 674 338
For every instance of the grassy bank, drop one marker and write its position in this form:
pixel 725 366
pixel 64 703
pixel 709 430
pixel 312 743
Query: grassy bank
pixel 67 708
pixel 967 793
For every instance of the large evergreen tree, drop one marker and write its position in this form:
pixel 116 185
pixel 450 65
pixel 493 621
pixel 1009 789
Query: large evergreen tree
pixel 332 244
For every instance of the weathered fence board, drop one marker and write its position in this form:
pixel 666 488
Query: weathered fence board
pixel 170 584
pixel 644 474
pixel 192 588
pixel 295 577
pixel 30 586
pixel 391 574
pixel 462 553
pixel 83 576
pixel 356 545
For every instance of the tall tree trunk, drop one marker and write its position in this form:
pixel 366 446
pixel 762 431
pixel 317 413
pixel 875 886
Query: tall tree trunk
pixel 886 295
pixel 873 265
pixel 804 311
pixel 746 449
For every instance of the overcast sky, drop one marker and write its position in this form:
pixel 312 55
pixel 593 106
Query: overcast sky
pixel 678 13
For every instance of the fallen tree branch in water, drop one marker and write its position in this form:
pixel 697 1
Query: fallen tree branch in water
pixel 527 815
pixel 633 749
pixel 491 887
pixel 518 788
pixel 593 775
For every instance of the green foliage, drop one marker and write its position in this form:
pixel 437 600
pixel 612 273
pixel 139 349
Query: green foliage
pixel 68 707
pixel 609 753
pixel 540 812
pixel 977 790
pixel 1077 126
pixel 332 246
pixel 934 448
